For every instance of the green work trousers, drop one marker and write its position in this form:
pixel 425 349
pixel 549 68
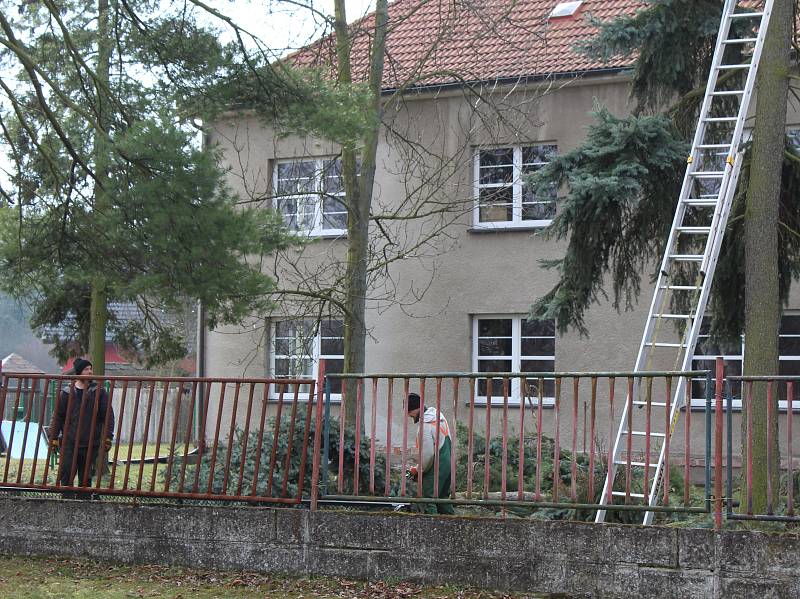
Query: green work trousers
pixel 444 484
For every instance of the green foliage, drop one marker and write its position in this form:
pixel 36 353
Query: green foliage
pixel 529 477
pixel 108 185
pixel 621 184
pixel 673 41
pixel 244 449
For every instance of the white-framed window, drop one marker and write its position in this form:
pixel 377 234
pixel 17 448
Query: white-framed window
pixel 503 199
pixel 706 352
pixel 794 139
pixel 297 347
pixel 309 193
pixel 504 343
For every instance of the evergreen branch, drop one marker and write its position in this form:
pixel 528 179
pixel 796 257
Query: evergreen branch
pixel 34 72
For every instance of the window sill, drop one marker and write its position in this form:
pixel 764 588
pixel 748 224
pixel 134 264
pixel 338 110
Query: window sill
pixel 328 234
pixel 505 227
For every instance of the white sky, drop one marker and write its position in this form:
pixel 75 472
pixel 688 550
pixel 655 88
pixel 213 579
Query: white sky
pixel 286 25
pixel 281 25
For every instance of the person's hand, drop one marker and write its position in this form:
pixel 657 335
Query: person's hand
pixel 412 472
pixel 107 443
pixel 55 443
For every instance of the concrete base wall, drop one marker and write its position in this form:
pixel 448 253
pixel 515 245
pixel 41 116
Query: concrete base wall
pixel 577 559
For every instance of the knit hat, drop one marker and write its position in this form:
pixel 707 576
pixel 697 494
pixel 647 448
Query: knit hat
pixel 413 402
pixel 79 365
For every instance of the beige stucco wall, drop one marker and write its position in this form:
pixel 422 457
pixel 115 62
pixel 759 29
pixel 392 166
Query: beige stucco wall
pixel 464 274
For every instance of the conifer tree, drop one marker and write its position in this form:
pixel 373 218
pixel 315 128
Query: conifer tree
pixel 623 181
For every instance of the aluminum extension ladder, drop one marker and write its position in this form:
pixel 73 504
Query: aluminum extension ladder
pixel 690 258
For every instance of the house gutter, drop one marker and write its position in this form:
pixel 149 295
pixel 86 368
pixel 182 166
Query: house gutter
pixel 502 81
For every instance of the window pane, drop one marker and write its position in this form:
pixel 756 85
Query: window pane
pixel 332 347
pixel 494 347
pixel 288 209
pixel 538 154
pixel 335 366
pixel 789 346
pixel 496 204
pixel 281 367
pixel 332 176
pixel 331 328
pixel 538 365
pixel 538 210
pixel 494 327
pixel 494 365
pixel 789 368
pixel 296 177
pixel 538 347
pixel 538 328
pixel 497 156
pixel 790 324
pixel 548 387
pixel 334 214
pixel 497 387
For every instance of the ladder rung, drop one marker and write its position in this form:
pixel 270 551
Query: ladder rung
pixel 687 257
pixel 694 230
pixel 708 174
pixel 623 494
pixel 657 404
pixel 644 434
pixel 721 119
pixel 729 92
pixel 741 40
pixel 681 287
pixel 745 15
pixel 733 67
pixel 700 201
pixel 640 464
pixel 674 316
pixel 664 344
pixel 713 146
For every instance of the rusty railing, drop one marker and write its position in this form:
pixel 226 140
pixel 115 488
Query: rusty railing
pixel 535 440
pixel 184 438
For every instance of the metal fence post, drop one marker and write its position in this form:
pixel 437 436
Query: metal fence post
pixel 317 435
pixel 709 393
pixel 718 445
pixel 326 441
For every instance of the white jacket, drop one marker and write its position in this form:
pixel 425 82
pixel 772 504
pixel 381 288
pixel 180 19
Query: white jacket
pixel 429 421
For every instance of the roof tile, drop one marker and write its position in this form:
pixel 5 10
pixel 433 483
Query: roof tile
pixel 434 42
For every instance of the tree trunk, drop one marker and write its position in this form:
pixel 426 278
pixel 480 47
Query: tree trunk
pixel 358 192
pixel 762 304
pixel 98 311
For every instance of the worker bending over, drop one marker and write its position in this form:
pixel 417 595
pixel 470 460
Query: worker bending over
pixel 432 421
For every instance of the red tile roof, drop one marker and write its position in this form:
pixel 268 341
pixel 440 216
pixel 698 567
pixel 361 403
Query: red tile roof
pixel 433 42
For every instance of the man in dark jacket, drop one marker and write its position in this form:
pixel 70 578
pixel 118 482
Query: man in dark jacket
pixel 83 419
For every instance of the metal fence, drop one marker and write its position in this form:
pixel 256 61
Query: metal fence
pixel 774 397
pixel 186 438
pixel 529 440
pixel 533 440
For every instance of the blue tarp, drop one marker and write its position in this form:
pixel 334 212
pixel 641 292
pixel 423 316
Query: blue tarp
pixel 28 450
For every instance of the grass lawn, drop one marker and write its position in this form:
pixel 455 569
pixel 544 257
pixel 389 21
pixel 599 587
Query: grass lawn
pixel 55 577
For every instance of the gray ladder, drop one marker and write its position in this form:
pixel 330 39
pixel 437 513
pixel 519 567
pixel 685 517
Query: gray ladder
pixel 687 268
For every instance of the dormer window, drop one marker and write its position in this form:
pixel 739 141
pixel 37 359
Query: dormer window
pixel 565 9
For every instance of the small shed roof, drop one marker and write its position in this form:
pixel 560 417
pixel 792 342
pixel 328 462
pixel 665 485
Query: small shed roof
pixel 17 364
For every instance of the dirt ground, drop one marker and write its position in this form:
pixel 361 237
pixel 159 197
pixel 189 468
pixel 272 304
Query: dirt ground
pixel 55 577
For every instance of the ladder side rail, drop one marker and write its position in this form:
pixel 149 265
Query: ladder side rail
pixel 744 107
pixel 694 331
pixel 715 237
pixel 612 467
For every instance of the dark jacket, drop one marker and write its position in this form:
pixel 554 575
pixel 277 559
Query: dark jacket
pixel 82 417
